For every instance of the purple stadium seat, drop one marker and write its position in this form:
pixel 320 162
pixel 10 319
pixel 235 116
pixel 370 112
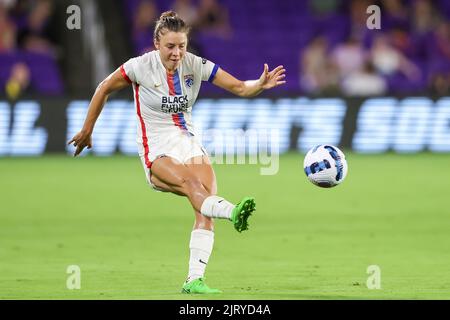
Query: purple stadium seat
pixel 45 75
pixel 276 32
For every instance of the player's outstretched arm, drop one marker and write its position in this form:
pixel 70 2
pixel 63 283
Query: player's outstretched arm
pixel 115 81
pixel 250 88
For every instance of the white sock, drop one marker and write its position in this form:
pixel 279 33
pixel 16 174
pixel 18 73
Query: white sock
pixel 201 245
pixel 217 207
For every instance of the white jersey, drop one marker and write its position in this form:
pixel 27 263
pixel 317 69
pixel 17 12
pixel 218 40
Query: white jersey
pixel 164 101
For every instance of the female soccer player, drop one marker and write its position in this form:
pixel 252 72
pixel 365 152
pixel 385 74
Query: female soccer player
pixel 166 83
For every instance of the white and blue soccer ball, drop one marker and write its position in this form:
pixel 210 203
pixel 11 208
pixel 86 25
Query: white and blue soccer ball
pixel 325 166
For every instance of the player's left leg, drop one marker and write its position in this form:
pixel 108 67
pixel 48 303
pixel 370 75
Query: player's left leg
pixel 214 206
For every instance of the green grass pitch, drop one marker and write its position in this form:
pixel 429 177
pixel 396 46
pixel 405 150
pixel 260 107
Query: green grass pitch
pixel 304 242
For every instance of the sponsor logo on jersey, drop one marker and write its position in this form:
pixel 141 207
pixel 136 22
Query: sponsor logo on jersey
pixel 174 104
pixel 189 80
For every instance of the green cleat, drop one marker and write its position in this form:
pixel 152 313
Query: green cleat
pixel 198 286
pixel 242 212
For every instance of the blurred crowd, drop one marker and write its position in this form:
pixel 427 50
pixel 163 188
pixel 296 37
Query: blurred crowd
pixel 24 28
pixel 410 53
pixel 205 16
pixel 411 50
pixel 327 41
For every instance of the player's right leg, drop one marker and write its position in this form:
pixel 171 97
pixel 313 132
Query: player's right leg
pixel 171 175
pixel 197 181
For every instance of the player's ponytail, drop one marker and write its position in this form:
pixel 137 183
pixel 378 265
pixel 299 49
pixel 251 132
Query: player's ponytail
pixel 169 21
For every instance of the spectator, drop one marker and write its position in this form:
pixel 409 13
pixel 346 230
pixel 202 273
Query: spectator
pixel 319 74
pixel 348 57
pixel 395 15
pixel 390 61
pixel 358 19
pixel 18 81
pixel 441 42
pixel 439 58
pixel 440 83
pixel 189 13
pixel 7 30
pixel 144 24
pixel 401 40
pixel 35 36
pixel 213 19
pixel 424 17
pixel 186 10
pixel 365 82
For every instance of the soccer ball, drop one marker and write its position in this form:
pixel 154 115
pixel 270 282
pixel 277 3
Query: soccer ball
pixel 325 166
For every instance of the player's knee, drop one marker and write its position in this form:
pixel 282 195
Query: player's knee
pixel 211 188
pixel 191 183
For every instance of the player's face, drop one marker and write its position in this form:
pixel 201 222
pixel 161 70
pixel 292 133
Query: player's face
pixel 172 48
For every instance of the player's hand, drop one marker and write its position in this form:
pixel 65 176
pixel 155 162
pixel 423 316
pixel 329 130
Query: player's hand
pixel 274 78
pixel 81 140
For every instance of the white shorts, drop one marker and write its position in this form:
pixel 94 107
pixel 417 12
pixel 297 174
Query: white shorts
pixel 178 145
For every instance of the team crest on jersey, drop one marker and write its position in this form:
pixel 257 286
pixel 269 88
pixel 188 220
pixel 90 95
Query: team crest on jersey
pixel 189 80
